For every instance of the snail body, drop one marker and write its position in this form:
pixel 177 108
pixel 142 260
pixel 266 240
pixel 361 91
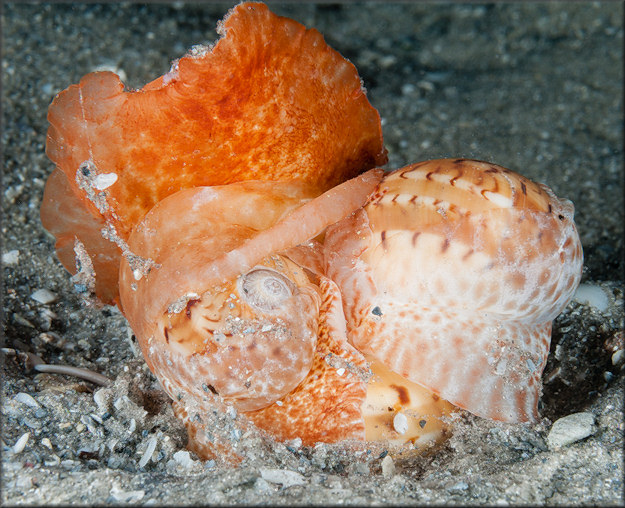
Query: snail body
pixel 451 275
pixel 268 272
pixel 270 100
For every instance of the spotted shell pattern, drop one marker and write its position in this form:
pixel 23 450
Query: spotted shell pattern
pixel 451 276
pixel 250 350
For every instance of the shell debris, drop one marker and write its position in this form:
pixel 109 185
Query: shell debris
pixel 43 296
pixel 400 423
pixel 149 451
pixel 11 257
pixel 183 457
pixel 592 295
pixel 104 180
pixel 21 443
pixel 388 467
pixel 283 476
pixel 26 399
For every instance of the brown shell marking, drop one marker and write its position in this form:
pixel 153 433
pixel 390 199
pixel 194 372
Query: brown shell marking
pixel 326 406
pixel 201 326
pixel 465 264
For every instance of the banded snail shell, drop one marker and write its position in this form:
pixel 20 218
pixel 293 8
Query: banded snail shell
pixel 451 276
pixel 227 316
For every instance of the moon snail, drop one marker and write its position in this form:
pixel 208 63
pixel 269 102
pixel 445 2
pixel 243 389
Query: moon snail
pixel 269 273
pixel 451 275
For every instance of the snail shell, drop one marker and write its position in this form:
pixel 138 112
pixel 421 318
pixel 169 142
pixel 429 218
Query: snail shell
pixel 227 315
pixel 251 341
pixel 451 276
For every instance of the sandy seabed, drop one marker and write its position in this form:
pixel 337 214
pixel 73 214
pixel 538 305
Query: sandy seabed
pixel 535 87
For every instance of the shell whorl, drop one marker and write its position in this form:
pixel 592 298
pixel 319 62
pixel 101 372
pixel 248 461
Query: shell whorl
pixel 451 275
pixel 250 341
pixel 474 232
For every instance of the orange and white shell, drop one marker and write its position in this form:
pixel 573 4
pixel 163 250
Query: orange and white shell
pixel 451 276
pixel 214 183
pixel 233 313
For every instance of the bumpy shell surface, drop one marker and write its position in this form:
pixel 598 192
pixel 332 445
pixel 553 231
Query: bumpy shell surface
pixel 451 276
pixel 269 101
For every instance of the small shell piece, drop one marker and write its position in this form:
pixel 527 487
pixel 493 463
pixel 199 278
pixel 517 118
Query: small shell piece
pixel 451 276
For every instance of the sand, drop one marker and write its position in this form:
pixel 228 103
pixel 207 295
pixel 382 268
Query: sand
pixel 535 87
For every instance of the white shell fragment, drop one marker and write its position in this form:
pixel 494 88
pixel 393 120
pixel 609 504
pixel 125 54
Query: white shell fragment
pixel 24 398
pixel 104 180
pixel 592 295
pixel 11 257
pixel 283 476
pixel 400 423
pixel 44 296
pixel 111 67
pixel 20 444
pixel 183 457
pixel 571 428
pixel 147 454
pixel 102 399
pixel 388 467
